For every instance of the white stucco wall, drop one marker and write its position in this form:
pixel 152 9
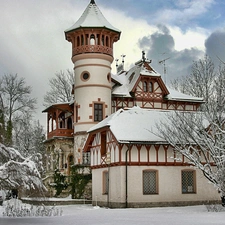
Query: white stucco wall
pixel 169 185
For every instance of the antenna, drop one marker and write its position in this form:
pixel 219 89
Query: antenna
pixel 164 66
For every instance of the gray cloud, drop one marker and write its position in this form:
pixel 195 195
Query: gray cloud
pixel 161 45
pixel 215 46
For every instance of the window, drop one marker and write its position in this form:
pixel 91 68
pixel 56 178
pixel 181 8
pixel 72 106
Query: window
pixel 62 120
pixel 69 123
pixel 145 86
pixel 103 143
pixel 150 182
pixel 76 117
pixel 105 183
pixel 85 76
pixel 150 87
pixel 82 39
pixel 92 39
pixel 98 112
pixel 188 181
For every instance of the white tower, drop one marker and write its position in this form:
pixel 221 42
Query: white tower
pixel 92 38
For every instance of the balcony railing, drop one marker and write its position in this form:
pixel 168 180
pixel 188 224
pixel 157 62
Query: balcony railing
pixel 60 133
pixel 93 49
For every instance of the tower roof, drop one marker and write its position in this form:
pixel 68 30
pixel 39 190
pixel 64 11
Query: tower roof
pixel 92 17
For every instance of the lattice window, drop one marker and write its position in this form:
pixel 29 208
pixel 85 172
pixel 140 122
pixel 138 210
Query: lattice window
pixel 150 182
pixel 105 182
pixel 98 112
pixel 188 181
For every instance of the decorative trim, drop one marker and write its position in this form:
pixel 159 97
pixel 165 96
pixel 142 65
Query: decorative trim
pixel 93 85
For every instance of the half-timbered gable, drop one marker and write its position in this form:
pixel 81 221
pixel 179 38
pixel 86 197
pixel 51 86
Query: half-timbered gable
pixel 142 86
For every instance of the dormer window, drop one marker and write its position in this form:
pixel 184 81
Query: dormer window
pixel 145 86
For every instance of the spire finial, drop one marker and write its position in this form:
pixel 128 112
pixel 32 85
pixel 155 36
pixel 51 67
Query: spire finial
pixel 92 2
pixel 143 56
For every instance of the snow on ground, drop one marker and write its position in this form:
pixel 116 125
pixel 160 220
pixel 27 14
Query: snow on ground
pixel 87 214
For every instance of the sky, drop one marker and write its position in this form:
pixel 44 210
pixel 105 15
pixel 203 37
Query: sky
pixel 87 214
pixel 177 32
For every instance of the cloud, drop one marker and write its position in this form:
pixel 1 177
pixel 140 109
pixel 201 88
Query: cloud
pixel 34 46
pixel 183 12
pixel 161 47
pixel 215 46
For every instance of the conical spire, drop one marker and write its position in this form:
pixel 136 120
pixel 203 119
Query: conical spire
pixel 92 17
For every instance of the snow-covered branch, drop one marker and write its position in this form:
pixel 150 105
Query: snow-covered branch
pixel 17 172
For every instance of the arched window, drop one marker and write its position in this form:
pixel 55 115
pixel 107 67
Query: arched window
pixel 69 123
pixel 62 120
pixel 145 86
pixel 103 40
pixel 150 87
pixel 78 41
pixel 82 39
pixel 107 41
pixel 92 39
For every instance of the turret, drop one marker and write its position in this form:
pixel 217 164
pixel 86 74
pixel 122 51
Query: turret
pixel 92 38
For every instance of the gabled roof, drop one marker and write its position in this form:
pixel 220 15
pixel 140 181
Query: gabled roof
pixel 128 79
pixel 138 125
pixel 134 125
pixel 92 17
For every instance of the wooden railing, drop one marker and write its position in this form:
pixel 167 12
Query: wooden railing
pixel 93 49
pixel 60 133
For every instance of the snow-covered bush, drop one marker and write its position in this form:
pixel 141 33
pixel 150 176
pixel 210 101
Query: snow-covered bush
pixel 18 172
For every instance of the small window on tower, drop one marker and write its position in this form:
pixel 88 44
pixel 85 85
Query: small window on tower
pixel 98 112
pixel 92 39
pixel 85 76
pixel 109 77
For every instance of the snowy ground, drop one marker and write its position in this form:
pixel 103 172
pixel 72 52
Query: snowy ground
pixel 87 214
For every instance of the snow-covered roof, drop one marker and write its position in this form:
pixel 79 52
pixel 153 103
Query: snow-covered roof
pixel 57 104
pixel 178 96
pixel 128 79
pixel 134 125
pixel 141 125
pixel 92 17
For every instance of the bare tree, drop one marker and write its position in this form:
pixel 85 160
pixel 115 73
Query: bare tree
pixel 200 136
pixel 15 99
pixel 60 88
pixel 29 136
pixel 200 83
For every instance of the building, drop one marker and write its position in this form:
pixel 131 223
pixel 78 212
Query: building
pixel 113 117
